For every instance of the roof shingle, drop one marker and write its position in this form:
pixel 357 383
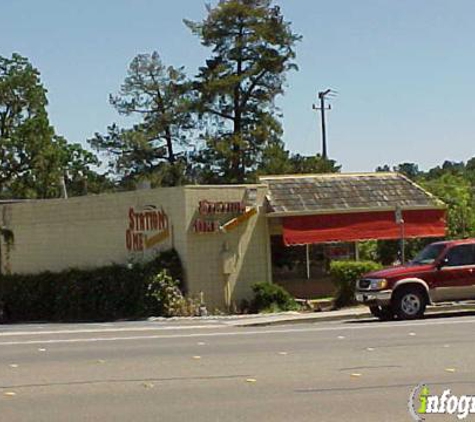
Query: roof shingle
pixel 321 193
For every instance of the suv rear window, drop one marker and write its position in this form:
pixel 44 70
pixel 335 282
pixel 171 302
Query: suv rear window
pixel 461 255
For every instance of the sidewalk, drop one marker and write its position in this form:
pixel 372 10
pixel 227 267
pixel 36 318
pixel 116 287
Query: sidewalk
pixel 358 312
pixel 286 318
pixel 301 317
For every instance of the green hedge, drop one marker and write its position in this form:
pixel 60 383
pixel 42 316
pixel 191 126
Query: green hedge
pixel 270 297
pixel 107 293
pixel 345 274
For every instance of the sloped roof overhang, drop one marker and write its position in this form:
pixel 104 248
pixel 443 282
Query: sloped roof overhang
pixel 306 219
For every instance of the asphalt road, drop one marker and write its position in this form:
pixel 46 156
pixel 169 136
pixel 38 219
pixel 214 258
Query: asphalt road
pixel 149 371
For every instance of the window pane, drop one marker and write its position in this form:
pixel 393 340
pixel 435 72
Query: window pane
pixel 429 254
pixel 461 255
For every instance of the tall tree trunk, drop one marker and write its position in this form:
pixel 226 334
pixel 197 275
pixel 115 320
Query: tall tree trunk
pixel 168 138
pixel 237 168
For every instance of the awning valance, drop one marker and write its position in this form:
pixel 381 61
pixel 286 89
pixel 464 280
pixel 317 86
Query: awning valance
pixel 350 227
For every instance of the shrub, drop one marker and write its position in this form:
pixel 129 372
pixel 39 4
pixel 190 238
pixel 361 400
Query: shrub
pixel 345 274
pixel 270 297
pixel 106 293
pixel 165 298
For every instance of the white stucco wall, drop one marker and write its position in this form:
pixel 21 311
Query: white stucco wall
pixel 82 232
pixel 86 232
pixel 247 247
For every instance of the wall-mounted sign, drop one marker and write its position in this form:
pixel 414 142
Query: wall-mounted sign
pixel 213 208
pixel 211 214
pixel 147 228
pixel 206 226
pixel 235 222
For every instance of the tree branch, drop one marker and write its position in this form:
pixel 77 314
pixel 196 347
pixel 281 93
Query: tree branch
pixel 254 83
pixel 219 113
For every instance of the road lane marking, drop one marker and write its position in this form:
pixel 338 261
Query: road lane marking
pixel 106 330
pixel 359 368
pixel 230 377
pixel 255 332
pixel 343 390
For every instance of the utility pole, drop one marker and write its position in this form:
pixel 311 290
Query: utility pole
pixel 322 96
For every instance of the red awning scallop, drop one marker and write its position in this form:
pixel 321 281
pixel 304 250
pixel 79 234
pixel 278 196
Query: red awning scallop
pixel 350 227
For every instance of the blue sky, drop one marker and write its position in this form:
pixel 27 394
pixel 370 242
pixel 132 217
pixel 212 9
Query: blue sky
pixel 404 69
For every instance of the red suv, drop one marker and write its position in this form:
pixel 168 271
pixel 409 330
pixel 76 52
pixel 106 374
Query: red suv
pixel 443 271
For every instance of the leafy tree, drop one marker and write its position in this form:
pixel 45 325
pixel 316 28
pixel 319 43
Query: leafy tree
pixel 470 166
pixel 451 167
pixel 25 133
pixel 457 193
pixel 313 164
pixel 60 163
pixel 252 50
pixel 160 97
pixel 78 166
pixel 33 158
pixel 452 182
pixel 384 168
pixel 470 172
pixel 277 160
pixel 411 170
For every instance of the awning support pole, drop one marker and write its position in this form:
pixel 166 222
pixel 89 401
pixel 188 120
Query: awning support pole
pixel 307 250
pixel 403 244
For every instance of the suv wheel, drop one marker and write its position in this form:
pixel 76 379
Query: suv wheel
pixel 409 303
pixel 384 313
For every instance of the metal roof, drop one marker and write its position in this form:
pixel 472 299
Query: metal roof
pixel 328 193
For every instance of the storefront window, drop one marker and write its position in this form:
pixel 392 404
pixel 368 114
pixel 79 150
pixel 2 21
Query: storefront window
pixel 290 267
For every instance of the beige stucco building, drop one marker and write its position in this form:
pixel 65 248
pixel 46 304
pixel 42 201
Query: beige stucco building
pixel 91 231
pixel 285 230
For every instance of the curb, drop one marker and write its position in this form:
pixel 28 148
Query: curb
pixel 310 319
pixel 302 320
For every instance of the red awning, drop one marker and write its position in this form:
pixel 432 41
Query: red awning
pixel 352 227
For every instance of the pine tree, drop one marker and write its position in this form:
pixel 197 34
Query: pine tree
pixel 253 48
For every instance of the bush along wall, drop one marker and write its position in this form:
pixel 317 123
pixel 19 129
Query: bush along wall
pixel 106 293
pixel 345 274
pixel 270 297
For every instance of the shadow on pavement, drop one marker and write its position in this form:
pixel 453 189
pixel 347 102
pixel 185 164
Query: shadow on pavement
pixel 431 316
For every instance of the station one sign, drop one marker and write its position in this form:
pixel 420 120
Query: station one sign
pixel 146 229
